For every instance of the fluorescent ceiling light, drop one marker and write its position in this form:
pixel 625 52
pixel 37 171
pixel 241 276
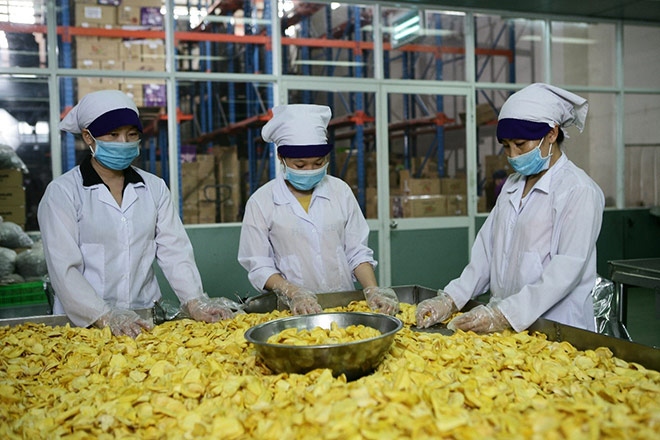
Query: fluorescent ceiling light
pixel 567 40
pixel 329 63
pixel 459 13
pixel 433 32
pixel 235 20
pixel 200 57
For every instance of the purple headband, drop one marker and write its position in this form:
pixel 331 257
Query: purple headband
pixel 509 128
pixel 114 119
pixel 303 151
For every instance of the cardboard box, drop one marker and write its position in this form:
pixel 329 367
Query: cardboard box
pixel 151 17
pixel 130 11
pixel 88 15
pixel 206 183
pixel 456 205
pixel 12 196
pixel 155 95
pixel 189 179
pixel 347 168
pixel 130 50
pixel 13 213
pixel 229 210
pixel 207 212
pixel 229 182
pixel 453 185
pixel 97 48
pixel 143 66
pixel 190 214
pixel 153 50
pixel 495 163
pixel 112 83
pixel 199 190
pixel 134 91
pixel 11 178
pixel 111 64
pixel 205 166
pixel 88 64
pixel 482 205
pixel 371 205
pixel 484 114
pixel 424 206
pixel 414 187
pixel 88 85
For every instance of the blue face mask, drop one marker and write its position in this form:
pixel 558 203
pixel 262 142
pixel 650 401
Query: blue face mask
pixel 116 155
pixel 304 180
pixel 531 162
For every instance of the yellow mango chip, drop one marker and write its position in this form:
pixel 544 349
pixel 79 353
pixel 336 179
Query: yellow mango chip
pixel 187 379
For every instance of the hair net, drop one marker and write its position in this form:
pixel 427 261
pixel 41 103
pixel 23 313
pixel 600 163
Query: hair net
pixel 299 130
pixel 101 112
pixel 533 111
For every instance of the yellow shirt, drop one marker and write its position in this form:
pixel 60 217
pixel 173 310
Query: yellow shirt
pixel 305 201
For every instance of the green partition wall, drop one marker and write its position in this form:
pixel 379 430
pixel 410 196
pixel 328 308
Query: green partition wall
pixel 429 258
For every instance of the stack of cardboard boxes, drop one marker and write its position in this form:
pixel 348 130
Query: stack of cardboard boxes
pixel 210 186
pixel 12 196
pixel 423 196
pixel 494 163
pixel 103 53
pixel 429 197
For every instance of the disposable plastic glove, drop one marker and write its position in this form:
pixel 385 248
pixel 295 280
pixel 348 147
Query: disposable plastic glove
pixel 481 319
pixel 434 310
pixel 298 299
pixel 381 299
pixel 123 322
pixel 210 309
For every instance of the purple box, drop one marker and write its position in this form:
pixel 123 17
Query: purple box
pixel 151 17
pixel 188 153
pixel 154 95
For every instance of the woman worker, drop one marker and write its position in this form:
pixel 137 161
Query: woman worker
pixel 104 222
pixel 303 233
pixel 536 252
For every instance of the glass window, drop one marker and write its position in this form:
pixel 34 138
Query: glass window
pixel 592 44
pixel 642 150
pixel 24 147
pixel 226 37
pixel 116 36
pixel 222 157
pixel 493 167
pixel 424 44
pixel 508 50
pixel 641 62
pixel 352 132
pixel 23 38
pixel 427 156
pixel 334 39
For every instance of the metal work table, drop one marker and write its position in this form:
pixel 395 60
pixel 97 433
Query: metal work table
pixel 639 273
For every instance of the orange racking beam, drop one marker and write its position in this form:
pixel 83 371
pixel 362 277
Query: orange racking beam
pixel 253 121
pixel 356 46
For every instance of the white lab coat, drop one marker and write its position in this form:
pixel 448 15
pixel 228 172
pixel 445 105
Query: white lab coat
pixel 100 255
pixel 537 256
pixel 318 250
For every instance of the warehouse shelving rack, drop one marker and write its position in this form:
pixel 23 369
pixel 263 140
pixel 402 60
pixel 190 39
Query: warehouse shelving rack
pixel 337 38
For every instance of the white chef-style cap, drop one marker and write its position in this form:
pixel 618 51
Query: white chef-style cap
pixel 101 112
pixel 533 111
pixel 299 130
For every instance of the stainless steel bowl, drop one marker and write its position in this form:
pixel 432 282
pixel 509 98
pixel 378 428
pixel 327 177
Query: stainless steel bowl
pixel 354 359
